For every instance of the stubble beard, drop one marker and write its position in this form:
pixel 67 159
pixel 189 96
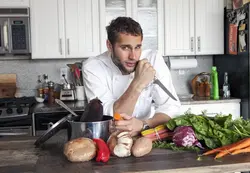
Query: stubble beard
pixel 116 60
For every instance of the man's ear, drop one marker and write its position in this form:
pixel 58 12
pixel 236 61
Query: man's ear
pixel 109 46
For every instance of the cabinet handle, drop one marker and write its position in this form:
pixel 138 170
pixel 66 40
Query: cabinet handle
pixel 68 46
pixel 192 44
pixel 60 46
pixel 199 43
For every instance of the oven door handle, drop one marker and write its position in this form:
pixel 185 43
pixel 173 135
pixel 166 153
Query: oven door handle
pixel 13 133
pixel 6 36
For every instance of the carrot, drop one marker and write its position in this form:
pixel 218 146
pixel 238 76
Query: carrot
pixel 244 150
pixel 216 150
pixel 238 145
pixel 221 154
pixel 223 148
pixel 117 117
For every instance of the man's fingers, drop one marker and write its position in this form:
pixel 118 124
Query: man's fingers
pixel 122 123
pixel 125 116
pixel 124 128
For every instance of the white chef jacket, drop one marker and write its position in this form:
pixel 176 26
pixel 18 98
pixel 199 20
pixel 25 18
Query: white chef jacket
pixel 103 79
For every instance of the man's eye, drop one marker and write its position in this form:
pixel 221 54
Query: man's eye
pixel 138 47
pixel 125 48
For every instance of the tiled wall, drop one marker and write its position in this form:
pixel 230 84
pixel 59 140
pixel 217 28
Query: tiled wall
pixel 28 70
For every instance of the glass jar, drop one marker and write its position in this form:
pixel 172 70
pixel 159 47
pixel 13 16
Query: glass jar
pixel 51 98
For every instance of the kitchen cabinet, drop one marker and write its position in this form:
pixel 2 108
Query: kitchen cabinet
pixel 142 11
pixel 66 29
pixel 209 27
pixel 179 27
pixel 194 27
pixel 14 3
pixel 213 108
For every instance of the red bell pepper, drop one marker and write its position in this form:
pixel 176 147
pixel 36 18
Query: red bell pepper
pixel 103 153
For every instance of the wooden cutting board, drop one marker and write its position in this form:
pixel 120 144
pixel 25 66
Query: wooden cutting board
pixel 7 85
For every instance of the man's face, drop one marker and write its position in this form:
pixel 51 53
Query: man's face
pixel 126 52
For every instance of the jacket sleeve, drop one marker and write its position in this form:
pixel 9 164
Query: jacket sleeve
pixel 96 86
pixel 163 103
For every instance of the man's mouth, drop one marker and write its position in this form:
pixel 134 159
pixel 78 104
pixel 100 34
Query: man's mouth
pixel 129 64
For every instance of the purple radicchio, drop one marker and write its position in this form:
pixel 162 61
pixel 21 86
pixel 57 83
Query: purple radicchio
pixel 184 136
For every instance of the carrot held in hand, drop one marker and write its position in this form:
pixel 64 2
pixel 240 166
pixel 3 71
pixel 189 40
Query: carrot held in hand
pixel 117 117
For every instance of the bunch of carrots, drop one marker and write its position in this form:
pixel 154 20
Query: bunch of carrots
pixel 242 146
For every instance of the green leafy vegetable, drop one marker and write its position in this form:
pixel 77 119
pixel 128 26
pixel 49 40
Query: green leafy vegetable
pixel 171 145
pixel 214 131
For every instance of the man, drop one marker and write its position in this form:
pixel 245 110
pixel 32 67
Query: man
pixel 122 78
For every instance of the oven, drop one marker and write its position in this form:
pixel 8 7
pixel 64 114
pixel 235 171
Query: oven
pixel 15 125
pixel 43 120
pixel 15 116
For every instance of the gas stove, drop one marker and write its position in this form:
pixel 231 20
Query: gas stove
pixel 15 107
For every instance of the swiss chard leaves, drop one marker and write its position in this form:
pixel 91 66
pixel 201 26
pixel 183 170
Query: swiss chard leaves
pixel 215 132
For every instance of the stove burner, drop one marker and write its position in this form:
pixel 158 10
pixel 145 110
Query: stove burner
pixel 15 107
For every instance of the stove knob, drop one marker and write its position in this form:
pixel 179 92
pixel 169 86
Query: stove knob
pixel 19 110
pixel 9 111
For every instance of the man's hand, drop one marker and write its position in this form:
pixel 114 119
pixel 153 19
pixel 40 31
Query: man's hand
pixel 144 74
pixel 130 124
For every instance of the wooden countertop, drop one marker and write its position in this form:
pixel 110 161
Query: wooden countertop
pixel 19 155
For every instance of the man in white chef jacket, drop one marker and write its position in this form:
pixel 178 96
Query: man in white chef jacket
pixel 122 78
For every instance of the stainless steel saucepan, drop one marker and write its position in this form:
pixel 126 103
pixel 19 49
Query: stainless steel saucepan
pixel 97 129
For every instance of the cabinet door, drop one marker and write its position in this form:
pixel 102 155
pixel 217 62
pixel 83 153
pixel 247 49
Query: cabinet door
pixel 179 27
pixel 144 11
pixel 110 9
pixel 47 38
pixel 213 109
pixel 82 28
pixel 14 3
pixel 209 26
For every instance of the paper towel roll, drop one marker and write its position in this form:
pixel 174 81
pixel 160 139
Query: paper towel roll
pixel 183 63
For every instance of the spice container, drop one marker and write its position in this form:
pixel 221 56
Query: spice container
pixel 51 98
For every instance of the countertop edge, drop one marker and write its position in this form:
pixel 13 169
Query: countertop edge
pixel 191 101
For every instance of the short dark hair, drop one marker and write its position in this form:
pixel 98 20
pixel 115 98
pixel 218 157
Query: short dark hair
pixel 123 25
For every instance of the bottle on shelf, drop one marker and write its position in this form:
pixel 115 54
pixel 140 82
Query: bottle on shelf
pixel 45 88
pixel 215 84
pixel 226 87
pixel 51 98
pixel 39 87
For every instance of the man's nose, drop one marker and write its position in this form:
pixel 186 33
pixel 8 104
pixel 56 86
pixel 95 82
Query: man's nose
pixel 132 55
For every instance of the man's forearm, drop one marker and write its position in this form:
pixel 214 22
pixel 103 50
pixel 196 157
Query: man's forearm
pixel 126 103
pixel 158 119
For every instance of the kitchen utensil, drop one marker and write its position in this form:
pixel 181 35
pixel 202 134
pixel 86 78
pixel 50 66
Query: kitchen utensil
pixel 98 129
pixel 200 85
pixel 158 82
pixel 76 129
pixel 65 78
pixel 77 76
pixel 67 94
pixel 61 124
pixel 65 107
